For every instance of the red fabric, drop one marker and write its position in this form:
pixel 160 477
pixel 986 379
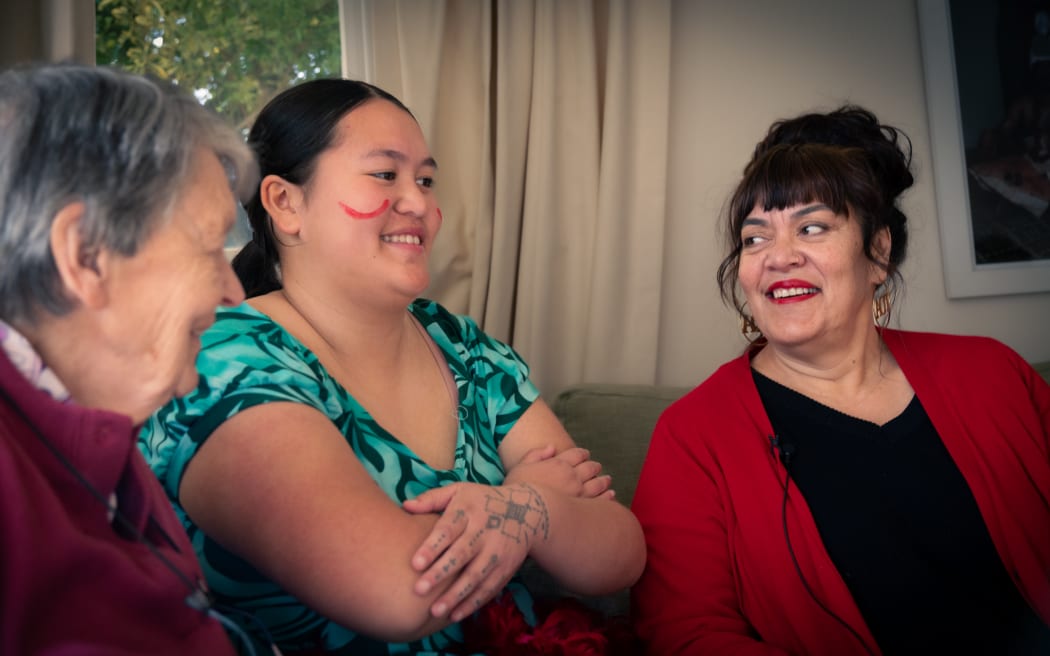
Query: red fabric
pixel 566 628
pixel 719 578
pixel 68 583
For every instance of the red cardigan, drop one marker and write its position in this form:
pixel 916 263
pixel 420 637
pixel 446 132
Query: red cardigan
pixel 719 578
pixel 69 584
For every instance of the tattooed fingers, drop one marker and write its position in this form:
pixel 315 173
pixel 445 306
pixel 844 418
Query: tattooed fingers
pixel 475 586
pixel 504 522
pixel 439 544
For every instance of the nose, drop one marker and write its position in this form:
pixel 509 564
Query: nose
pixel 232 291
pixel 784 254
pixel 412 199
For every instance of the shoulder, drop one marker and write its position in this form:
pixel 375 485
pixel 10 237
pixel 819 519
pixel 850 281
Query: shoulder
pixel 433 314
pixel 246 359
pixel 717 431
pixel 727 384
pixel 494 374
pixel 461 335
pixel 946 352
pixel 236 324
pixel 977 367
pixel 938 342
pixel 243 340
pixel 720 415
pixel 246 349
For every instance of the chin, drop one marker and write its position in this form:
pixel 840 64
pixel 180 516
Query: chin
pixel 187 380
pixel 786 343
pixel 186 385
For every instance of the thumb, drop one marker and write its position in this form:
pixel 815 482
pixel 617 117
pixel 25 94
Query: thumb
pixel 434 500
pixel 539 454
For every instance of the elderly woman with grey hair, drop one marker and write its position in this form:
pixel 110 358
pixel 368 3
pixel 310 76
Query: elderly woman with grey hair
pixel 116 195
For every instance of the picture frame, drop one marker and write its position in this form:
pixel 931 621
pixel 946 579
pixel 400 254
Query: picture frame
pixel 963 275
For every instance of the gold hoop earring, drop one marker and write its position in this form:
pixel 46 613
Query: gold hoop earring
pixel 880 307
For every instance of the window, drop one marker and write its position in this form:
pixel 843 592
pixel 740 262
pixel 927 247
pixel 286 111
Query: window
pixel 235 55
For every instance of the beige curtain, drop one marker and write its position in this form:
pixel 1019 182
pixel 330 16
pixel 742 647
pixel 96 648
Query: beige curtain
pixel 548 119
pixel 47 30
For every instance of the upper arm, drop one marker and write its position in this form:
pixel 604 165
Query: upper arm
pixel 686 600
pixel 536 427
pixel 278 485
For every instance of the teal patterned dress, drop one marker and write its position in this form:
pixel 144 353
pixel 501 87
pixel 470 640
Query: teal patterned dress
pixel 246 359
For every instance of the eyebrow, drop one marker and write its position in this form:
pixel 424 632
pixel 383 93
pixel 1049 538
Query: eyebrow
pixel 809 209
pixel 816 207
pixel 399 156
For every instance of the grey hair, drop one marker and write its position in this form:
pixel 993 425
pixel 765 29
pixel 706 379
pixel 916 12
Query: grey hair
pixel 122 144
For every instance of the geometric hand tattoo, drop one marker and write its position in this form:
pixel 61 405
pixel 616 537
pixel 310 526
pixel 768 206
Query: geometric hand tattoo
pixel 518 515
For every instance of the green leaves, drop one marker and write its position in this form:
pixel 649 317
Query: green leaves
pixel 235 54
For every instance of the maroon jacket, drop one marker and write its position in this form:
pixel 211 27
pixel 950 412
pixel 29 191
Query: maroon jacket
pixel 719 578
pixel 69 583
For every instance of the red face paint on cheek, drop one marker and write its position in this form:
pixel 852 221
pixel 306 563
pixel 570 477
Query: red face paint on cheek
pixel 355 214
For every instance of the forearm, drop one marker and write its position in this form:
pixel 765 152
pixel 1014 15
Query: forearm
pixel 397 612
pixel 366 585
pixel 594 546
pixel 317 524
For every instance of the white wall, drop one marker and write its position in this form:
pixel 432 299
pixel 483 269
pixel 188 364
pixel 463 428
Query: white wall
pixel 737 67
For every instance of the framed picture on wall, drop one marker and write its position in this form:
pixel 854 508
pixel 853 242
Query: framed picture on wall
pixel 987 70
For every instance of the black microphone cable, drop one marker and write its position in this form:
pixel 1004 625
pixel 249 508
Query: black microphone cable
pixel 787 452
pixel 198 598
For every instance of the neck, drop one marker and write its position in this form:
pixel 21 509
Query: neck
pixel 848 368
pixel 73 349
pixel 367 333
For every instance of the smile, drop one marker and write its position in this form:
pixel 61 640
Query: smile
pixel 790 292
pixel 402 239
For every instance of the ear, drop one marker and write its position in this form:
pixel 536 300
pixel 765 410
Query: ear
pixel 282 200
pixel 881 246
pixel 81 269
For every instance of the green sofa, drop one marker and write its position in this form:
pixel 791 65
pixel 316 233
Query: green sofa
pixel 615 423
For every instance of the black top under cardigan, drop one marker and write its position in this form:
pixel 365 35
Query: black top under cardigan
pixel 903 529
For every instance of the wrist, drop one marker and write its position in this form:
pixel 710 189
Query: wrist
pixel 521 511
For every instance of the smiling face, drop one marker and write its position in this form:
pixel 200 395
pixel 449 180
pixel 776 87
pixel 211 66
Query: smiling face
pixel 804 275
pixel 368 216
pixel 163 297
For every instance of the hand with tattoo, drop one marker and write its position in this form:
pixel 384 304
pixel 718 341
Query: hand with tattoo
pixel 483 536
pixel 571 472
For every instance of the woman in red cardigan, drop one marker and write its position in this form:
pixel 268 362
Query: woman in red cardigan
pixel 842 487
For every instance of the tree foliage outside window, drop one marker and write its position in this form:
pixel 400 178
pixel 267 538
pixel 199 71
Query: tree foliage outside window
pixel 234 54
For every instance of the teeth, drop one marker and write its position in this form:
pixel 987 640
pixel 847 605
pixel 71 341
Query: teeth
pixel 793 291
pixel 402 239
